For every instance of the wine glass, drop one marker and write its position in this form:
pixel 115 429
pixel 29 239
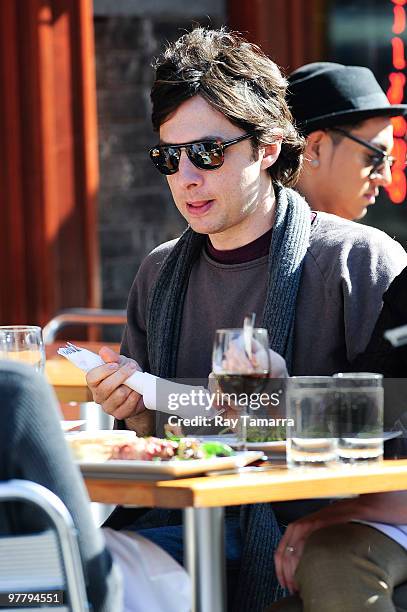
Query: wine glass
pixel 241 365
pixel 23 343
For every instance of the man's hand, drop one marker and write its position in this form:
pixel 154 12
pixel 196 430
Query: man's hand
pixel 389 507
pixel 108 390
pixel 382 507
pixel 237 361
pixel 289 551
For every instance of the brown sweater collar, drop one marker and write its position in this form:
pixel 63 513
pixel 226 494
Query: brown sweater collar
pixel 248 252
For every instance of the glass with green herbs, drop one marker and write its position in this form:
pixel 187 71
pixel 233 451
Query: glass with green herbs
pixel 312 436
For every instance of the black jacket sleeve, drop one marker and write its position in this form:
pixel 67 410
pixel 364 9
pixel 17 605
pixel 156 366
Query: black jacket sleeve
pixel 380 356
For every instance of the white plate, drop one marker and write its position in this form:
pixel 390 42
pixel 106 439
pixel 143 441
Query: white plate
pixel 389 435
pixel 118 468
pixel 276 446
pixel 279 446
pixel 68 425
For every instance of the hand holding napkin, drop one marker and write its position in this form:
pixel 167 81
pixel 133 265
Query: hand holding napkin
pixel 146 384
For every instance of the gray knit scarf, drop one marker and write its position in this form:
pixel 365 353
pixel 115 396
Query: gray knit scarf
pixel 258 585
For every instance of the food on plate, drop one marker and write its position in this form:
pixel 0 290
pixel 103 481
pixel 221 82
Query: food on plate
pixel 266 434
pixel 126 445
pixel 97 445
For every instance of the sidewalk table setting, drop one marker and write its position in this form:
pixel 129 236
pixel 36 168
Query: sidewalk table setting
pixel 334 449
pixel 334 444
pixel 204 498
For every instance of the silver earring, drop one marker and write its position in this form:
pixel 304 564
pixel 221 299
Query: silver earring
pixel 314 163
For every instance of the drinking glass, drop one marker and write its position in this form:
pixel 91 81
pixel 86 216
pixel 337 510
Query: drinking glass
pixel 241 365
pixel 360 416
pixel 311 421
pixel 23 343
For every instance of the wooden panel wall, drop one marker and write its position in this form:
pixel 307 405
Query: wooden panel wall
pixel 48 160
pixel 292 32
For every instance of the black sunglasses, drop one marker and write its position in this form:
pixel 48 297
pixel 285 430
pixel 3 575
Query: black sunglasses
pixel 380 157
pixel 205 154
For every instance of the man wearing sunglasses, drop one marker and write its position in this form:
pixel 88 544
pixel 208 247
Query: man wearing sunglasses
pixel 345 116
pixel 230 152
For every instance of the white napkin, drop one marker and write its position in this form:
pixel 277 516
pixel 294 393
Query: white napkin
pixel 152 580
pixel 146 384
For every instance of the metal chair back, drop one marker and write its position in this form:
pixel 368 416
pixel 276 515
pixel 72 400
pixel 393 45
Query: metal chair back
pixel 82 316
pixel 54 553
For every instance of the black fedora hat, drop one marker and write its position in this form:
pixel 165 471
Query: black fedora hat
pixel 324 94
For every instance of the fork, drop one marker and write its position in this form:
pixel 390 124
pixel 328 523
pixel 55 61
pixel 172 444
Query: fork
pixel 68 349
pixel 81 357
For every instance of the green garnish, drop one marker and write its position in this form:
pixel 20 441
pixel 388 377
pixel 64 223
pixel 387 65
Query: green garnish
pixel 217 449
pixel 170 436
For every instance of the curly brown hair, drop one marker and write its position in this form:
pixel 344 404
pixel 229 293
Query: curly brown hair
pixel 236 78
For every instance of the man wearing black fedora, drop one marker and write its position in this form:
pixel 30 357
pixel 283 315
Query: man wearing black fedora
pixel 345 116
pixel 332 563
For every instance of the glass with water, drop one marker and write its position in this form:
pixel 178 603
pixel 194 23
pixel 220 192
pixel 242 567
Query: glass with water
pixel 360 416
pixel 311 421
pixel 23 343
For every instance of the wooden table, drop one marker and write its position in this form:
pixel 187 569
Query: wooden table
pixel 203 500
pixel 68 381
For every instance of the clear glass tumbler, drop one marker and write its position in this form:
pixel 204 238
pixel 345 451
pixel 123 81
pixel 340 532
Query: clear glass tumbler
pixel 360 416
pixel 311 421
pixel 23 343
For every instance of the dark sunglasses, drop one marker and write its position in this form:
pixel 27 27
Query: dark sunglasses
pixel 380 157
pixel 205 154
